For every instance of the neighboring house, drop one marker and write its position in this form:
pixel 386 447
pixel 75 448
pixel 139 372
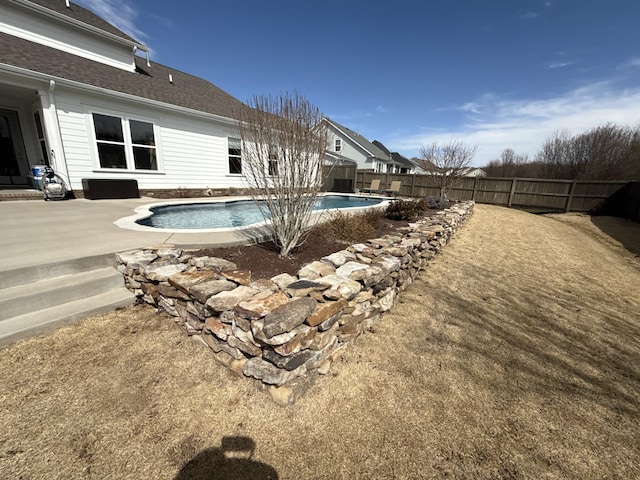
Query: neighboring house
pixel 425 167
pixel 74 94
pixel 403 164
pixel 406 165
pixel 351 145
pixel 473 172
pixel 469 172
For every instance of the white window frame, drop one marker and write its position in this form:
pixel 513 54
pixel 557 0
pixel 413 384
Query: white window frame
pixel 230 156
pixel 337 145
pixel 127 143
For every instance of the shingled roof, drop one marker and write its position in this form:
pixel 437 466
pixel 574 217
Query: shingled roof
pixel 147 82
pixel 394 155
pixel 83 15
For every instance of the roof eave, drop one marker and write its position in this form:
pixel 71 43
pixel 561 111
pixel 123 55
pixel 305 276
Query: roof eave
pixel 31 74
pixel 77 23
pixel 371 155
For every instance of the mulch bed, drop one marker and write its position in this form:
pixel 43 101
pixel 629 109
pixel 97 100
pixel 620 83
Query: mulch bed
pixel 264 261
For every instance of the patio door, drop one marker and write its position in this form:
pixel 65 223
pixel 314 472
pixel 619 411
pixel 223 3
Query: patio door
pixel 13 158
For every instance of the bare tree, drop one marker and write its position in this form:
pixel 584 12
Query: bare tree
pixel 510 164
pixel 283 148
pixel 554 154
pixel 447 162
pixel 606 152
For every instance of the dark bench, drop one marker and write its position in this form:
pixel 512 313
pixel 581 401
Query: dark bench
pixel 103 188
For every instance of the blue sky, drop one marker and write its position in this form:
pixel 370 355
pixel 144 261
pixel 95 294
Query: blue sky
pixel 496 74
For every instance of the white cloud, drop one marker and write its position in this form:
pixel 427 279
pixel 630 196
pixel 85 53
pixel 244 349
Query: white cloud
pixel 494 124
pixel 118 13
pixel 559 64
pixel 632 63
pixel 530 15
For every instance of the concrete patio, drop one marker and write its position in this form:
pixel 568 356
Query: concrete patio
pixel 58 260
pixel 35 232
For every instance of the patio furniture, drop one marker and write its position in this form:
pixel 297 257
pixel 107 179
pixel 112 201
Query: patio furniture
pixel 373 187
pixel 101 188
pixel 395 188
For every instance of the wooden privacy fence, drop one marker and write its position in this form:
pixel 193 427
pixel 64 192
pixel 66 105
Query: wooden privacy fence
pixel 527 193
pixel 624 203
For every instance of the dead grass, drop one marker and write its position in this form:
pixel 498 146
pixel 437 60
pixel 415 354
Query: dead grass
pixel 620 235
pixel 517 355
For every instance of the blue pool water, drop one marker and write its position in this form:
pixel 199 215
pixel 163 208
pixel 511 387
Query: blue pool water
pixel 239 213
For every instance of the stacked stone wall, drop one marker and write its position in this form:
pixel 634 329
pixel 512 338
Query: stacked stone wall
pixel 285 331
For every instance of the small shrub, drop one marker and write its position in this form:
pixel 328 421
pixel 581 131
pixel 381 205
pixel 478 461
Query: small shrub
pixel 437 203
pixel 405 209
pixel 353 228
pixel 372 216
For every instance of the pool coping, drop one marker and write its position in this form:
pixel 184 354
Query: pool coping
pixel 144 211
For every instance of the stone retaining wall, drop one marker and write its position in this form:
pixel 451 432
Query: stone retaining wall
pixel 286 330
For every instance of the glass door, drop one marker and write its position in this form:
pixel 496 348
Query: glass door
pixel 13 159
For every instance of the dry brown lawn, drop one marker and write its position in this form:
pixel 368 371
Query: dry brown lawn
pixel 516 355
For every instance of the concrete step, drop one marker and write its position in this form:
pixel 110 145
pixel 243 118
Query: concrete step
pixel 37 322
pixel 36 273
pixel 52 291
pixel 39 298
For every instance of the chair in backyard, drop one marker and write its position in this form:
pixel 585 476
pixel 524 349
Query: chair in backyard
pixel 373 187
pixel 393 189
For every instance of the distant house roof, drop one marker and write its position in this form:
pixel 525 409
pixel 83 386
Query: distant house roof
pixel 151 82
pixel 78 13
pixel 381 147
pixel 402 160
pixel 427 166
pixel 473 172
pixel 358 139
pixel 395 156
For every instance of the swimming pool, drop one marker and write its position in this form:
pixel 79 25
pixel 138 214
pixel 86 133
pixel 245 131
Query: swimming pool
pixel 222 215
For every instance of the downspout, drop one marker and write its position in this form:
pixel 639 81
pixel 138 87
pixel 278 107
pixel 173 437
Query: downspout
pixel 58 133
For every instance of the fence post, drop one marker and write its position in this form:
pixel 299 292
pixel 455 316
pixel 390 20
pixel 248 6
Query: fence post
pixel 475 188
pixel 513 191
pixel 413 182
pixel 572 189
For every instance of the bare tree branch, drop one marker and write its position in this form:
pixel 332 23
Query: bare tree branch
pixel 283 146
pixel 447 162
pixel 606 152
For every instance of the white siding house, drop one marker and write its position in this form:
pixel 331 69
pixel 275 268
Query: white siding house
pixel 75 95
pixel 39 22
pixel 353 146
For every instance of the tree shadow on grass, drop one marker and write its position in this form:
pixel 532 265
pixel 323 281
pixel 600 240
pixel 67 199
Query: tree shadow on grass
pixel 224 463
pixel 539 354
